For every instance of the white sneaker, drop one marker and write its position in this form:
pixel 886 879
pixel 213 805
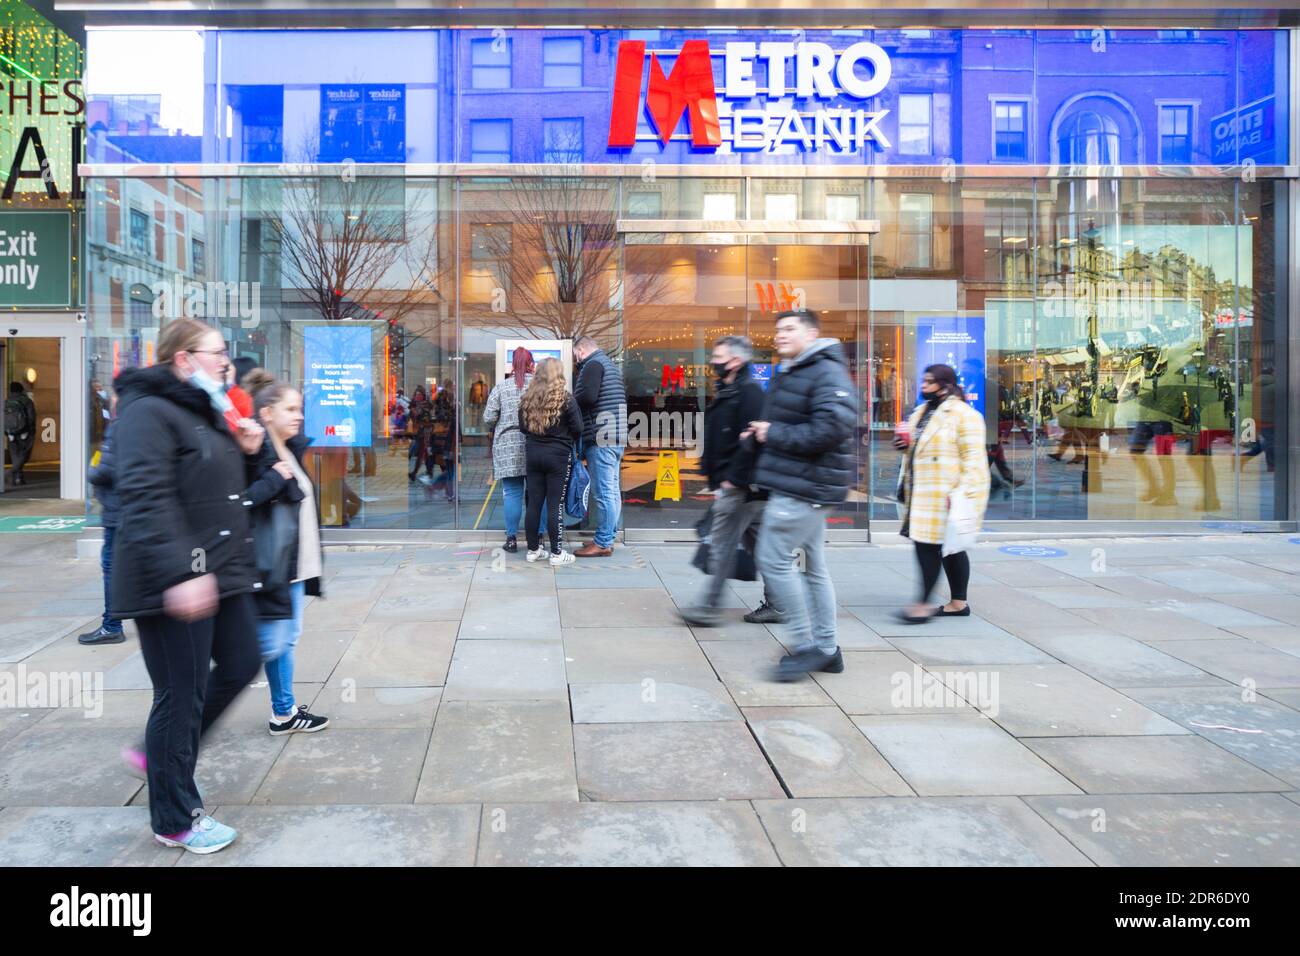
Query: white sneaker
pixel 564 557
pixel 536 555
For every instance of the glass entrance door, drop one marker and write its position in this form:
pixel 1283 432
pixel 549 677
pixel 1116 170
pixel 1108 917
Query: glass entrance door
pixel 682 293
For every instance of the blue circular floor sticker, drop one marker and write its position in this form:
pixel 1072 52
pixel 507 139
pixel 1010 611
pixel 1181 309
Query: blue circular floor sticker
pixel 1294 540
pixel 1032 551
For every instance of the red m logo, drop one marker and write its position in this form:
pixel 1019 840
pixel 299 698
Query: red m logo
pixel 329 430
pixel 674 377
pixel 769 299
pixel 689 87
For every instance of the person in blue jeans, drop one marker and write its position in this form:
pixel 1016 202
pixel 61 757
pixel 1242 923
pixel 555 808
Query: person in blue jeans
pixel 101 480
pixel 282 509
pixel 509 459
pixel 602 399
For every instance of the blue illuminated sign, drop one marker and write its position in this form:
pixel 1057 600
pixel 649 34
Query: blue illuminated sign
pixel 337 391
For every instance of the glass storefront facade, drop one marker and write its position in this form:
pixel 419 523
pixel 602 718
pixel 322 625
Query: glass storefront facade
pixel 1092 226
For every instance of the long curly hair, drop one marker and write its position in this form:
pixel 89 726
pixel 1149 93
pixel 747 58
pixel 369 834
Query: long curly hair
pixel 544 400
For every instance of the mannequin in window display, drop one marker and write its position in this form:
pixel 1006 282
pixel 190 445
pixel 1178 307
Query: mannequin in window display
pixel 475 402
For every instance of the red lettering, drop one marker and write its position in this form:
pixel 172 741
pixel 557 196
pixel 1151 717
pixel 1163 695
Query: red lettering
pixel 688 88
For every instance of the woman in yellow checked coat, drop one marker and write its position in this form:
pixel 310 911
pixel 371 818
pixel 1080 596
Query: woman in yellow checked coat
pixel 944 455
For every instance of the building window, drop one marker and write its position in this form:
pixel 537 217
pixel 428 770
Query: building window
pixel 199 257
pixel 645 205
pixel 1177 36
pixel 781 207
pixel 563 140
pixel 489 67
pixel 490 249
pixel 842 208
pixel 139 233
pixel 1176 133
pixel 719 206
pixel 1006 242
pixel 915 230
pixel 562 61
pixel 914 112
pixel 489 141
pixel 1010 134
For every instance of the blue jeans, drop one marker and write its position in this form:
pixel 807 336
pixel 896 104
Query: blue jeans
pixel 604 463
pixel 110 623
pixel 512 489
pixel 277 639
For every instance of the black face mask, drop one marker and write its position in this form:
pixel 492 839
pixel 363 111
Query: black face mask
pixel 719 369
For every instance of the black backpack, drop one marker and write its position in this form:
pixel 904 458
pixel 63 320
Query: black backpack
pixel 18 416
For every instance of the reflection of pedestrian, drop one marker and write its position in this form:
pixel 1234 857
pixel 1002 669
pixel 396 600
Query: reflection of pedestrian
pixel 1000 470
pixel 101 480
pixel 443 447
pixel 420 424
pixel 20 429
pixel 509 462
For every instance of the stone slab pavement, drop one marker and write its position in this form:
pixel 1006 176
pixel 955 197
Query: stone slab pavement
pixel 1111 702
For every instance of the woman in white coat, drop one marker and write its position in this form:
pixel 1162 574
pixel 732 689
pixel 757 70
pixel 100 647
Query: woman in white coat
pixel 945 455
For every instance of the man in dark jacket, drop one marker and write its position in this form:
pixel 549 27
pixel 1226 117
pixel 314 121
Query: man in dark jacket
pixel 20 429
pixel 602 400
pixel 806 464
pixel 101 480
pixel 729 465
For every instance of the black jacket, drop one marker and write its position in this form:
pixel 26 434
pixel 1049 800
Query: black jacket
pixel 180 479
pixel 101 480
pixel 725 457
pixel 266 490
pixel 813 410
pixel 602 400
pixel 565 430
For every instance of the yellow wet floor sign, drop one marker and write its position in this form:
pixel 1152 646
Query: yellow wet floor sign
pixel 668 483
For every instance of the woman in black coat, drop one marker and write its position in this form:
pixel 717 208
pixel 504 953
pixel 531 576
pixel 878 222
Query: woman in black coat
pixel 183 567
pixel 286 534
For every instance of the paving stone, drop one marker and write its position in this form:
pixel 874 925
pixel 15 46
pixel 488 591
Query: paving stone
pixel 1237 661
pixel 1210 581
pixel 62 765
pixel 493 751
pixel 80 836
pixel 1140 589
pixel 960 755
pixel 883 682
pixel 1055 700
pixel 650 701
pixel 617 607
pixel 507 670
pixel 1288 696
pixel 1246 829
pixel 671 761
pixel 976 649
pixel 319 652
pixel 850 632
pixel 398 655
pixel 378 708
pixel 347 767
pixel 1275 608
pixel 912 831
pixel 534 617
pixel 1080 596
pixel 1219 613
pixel 18 721
pixel 1116 660
pixel 1260 731
pixel 746 667
pixel 383 835
pixel 818 752
pixel 724 834
pixel 1150 764
pixel 1151 624
pixel 1280 637
pixel 20 637
pixel 443 604
pixel 631 655
pixel 883 621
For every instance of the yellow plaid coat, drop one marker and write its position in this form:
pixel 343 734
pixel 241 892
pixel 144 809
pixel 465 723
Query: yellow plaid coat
pixel 950 455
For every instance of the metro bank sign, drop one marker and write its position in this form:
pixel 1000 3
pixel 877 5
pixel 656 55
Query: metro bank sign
pixel 793 71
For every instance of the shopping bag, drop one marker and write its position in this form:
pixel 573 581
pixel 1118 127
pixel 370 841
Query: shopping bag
pixel 963 524
pixel 579 489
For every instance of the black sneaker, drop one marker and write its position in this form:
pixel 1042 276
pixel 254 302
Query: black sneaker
pixel 300 723
pixel 511 545
pixel 794 666
pixel 764 614
pixel 101 636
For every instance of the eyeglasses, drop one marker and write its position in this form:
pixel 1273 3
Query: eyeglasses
pixel 224 353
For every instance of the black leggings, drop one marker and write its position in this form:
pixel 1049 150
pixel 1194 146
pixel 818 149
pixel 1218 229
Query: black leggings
pixel 188 697
pixel 547 481
pixel 955 566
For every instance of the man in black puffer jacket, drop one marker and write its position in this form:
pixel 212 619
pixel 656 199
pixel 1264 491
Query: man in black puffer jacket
pixel 806 465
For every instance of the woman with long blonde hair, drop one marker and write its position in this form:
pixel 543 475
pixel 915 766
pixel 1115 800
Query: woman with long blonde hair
pixel 551 423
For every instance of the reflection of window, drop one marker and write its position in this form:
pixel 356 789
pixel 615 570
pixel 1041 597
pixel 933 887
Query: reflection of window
pixel 1006 242
pixel 563 139
pixel 841 208
pixel 489 253
pixel 1178 35
pixel 1176 133
pixel 782 207
pixel 489 141
pixel 645 205
pixel 1089 139
pixel 914 111
pixel 915 230
pixel 562 61
pixel 199 257
pixel 139 233
pixel 489 64
pixel 1010 136
pixel 365 123
pixel 719 206
pixel 261 122
pixel 368 209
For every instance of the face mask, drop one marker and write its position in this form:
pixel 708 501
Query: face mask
pixel 719 369
pixel 206 382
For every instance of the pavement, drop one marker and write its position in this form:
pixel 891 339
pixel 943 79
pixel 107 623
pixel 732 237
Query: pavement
pixel 1124 702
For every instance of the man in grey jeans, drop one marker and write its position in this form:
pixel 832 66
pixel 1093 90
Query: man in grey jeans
pixel 806 464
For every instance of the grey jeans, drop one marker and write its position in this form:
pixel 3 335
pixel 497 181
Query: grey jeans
pixel 733 516
pixel 793 538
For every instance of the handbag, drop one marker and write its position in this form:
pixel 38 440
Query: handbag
pixel 963 523
pixel 745 568
pixel 275 541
